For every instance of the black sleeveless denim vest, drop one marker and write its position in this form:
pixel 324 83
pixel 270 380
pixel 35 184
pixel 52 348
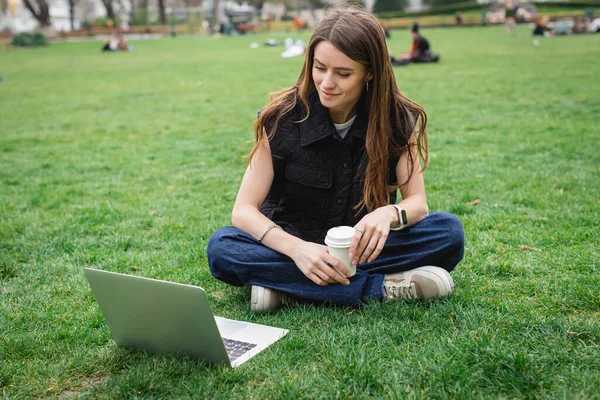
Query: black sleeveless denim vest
pixel 319 176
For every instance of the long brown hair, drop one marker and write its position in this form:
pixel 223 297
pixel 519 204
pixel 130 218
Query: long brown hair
pixel 359 35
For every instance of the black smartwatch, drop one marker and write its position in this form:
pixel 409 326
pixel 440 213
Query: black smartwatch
pixel 401 218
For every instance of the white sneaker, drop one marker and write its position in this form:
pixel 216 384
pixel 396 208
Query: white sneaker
pixel 264 299
pixel 419 283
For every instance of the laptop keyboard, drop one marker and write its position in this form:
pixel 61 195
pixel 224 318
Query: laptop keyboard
pixel 235 348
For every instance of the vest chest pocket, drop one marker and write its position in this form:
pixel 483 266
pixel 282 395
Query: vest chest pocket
pixel 308 176
pixel 307 190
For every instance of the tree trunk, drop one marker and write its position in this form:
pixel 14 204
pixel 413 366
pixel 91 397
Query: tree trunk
pixel 144 6
pixel 216 13
pixel 161 9
pixel 110 12
pixel 42 14
pixel 132 11
pixel 72 13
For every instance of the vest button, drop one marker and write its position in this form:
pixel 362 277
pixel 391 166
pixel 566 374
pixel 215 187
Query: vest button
pixel 340 201
pixel 345 165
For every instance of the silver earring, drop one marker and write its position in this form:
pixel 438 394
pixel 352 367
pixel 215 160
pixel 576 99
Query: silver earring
pixel 367 86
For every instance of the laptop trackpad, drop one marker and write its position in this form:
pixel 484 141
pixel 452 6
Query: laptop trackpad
pixel 228 327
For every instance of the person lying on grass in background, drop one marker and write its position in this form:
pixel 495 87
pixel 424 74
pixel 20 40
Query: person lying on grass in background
pixel 116 43
pixel 541 27
pixel 420 51
pixel 330 151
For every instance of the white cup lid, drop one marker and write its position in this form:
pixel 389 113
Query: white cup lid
pixel 340 236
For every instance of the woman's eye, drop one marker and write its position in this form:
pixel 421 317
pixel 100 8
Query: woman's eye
pixel 344 75
pixel 319 68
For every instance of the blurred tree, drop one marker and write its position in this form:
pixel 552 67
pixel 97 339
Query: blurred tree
pixel 258 4
pixel 133 4
pixel 142 15
pixel 296 4
pixel 123 8
pixel 161 12
pixel 359 3
pixel 316 4
pixel 194 9
pixel 40 11
pixel 72 4
pixel 86 10
pixel 110 11
pixel 443 2
pixel 216 14
pixel 389 5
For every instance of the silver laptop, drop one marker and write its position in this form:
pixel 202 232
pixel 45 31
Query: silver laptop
pixel 167 317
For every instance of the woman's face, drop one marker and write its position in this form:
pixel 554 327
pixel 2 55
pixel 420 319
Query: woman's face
pixel 339 80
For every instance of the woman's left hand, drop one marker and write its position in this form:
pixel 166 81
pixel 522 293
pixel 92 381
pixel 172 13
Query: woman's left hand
pixel 371 233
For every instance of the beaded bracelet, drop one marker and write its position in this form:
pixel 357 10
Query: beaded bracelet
pixel 267 229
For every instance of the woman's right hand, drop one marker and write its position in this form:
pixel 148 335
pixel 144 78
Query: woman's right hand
pixel 318 265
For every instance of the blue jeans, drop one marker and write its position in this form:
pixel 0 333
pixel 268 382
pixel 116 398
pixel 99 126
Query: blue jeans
pixel 239 259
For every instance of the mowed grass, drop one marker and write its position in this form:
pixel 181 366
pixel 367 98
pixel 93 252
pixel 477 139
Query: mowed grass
pixel 129 162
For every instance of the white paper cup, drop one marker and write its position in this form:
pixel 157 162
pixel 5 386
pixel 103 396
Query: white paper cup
pixel 338 241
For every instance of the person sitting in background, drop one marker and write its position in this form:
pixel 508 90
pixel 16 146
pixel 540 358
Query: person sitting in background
pixel 420 51
pixel 510 17
pixel 561 27
pixel 116 43
pixel 594 26
pixel 458 18
pixel 299 24
pixel 580 25
pixel 122 44
pixel 387 31
pixel 541 27
pixel 111 44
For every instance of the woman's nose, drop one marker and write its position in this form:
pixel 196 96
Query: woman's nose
pixel 328 81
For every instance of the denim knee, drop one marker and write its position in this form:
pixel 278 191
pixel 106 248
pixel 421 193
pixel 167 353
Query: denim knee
pixel 455 235
pixel 218 248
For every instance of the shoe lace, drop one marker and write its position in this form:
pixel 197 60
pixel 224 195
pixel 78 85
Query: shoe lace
pixel 400 290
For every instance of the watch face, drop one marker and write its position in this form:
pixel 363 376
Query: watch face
pixel 404 219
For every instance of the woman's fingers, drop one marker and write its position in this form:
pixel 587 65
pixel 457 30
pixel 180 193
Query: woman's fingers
pixel 327 276
pixel 373 246
pixel 316 279
pixel 361 246
pixel 378 248
pixel 326 272
pixel 353 251
pixel 321 267
pixel 363 251
pixel 340 270
pixel 368 249
pixel 324 276
pixel 332 268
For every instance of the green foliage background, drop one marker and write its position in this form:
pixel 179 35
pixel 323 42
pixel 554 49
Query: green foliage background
pixel 389 5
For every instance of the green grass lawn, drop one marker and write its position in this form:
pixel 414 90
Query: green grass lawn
pixel 128 162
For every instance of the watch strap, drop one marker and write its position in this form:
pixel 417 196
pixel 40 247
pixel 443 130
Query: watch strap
pixel 402 220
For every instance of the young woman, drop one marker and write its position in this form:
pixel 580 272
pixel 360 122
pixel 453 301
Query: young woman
pixel 333 150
